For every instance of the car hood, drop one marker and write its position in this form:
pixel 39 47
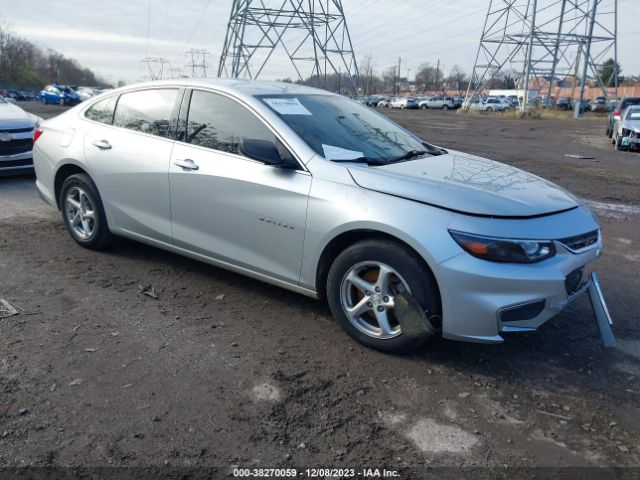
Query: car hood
pixel 468 184
pixel 12 116
pixel 631 125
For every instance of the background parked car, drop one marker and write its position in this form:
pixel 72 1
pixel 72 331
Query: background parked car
pixel 598 104
pixel 16 138
pixel 626 130
pixel 403 102
pixel 564 103
pixel 439 101
pixel 85 93
pixel 385 102
pixel 620 107
pixel 493 105
pixel 59 94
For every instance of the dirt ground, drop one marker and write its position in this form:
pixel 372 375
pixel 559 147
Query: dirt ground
pixel 222 371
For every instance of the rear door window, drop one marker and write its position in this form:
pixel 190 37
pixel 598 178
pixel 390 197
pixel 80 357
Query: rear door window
pixel 146 111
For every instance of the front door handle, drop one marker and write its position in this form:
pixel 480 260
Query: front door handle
pixel 102 144
pixel 187 164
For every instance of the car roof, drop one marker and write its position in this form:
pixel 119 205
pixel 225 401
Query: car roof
pixel 238 86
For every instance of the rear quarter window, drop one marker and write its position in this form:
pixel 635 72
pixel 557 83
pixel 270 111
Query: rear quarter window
pixel 102 111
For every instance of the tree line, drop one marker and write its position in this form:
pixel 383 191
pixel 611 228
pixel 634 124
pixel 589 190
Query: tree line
pixel 26 66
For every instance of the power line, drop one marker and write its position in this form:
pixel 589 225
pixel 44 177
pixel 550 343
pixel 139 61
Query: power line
pixel 204 12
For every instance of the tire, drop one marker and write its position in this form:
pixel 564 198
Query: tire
pixel 44 101
pixel 445 107
pixel 609 132
pixel 489 109
pixel 407 269
pixel 402 107
pixel 61 102
pixel 423 107
pixel 90 231
pixel 617 143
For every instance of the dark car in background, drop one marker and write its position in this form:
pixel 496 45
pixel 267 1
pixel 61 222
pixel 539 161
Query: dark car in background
pixel 619 108
pixel 564 103
pixel 59 95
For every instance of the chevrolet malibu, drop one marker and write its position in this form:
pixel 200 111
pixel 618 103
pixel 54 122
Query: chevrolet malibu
pixel 313 192
pixel 17 128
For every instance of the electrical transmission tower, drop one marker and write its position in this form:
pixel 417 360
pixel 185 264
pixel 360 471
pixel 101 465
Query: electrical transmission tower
pixel 546 41
pixel 199 62
pixel 313 35
pixel 156 67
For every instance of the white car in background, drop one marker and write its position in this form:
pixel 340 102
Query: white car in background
pixel 16 138
pixel 85 93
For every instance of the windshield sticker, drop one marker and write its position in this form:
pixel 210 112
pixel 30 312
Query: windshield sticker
pixel 287 106
pixel 337 153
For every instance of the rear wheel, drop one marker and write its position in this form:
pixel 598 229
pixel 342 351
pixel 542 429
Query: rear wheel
pixel 363 284
pixel 445 107
pixel 83 213
pixel 489 109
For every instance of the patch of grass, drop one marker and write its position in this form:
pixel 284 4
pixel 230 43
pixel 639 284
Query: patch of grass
pixel 534 113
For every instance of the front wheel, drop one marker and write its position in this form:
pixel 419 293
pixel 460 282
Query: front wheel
pixel 445 107
pixel 489 109
pixel 83 213
pixel 423 107
pixel 363 288
pixel 618 142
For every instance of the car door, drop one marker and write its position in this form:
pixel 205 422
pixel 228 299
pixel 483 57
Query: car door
pixel 129 160
pixel 229 207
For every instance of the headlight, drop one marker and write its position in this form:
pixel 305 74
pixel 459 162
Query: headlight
pixel 504 250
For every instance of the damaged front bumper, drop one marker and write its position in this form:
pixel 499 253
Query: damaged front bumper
pixel 483 300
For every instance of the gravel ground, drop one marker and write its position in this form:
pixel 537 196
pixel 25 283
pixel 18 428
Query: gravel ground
pixel 223 371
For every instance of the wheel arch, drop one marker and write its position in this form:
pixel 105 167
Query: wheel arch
pixel 62 174
pixel 350 237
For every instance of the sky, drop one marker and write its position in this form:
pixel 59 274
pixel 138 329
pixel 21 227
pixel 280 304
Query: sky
pixel 112 36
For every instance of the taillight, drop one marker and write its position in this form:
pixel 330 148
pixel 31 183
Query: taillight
pixel 616 112
pixel 36 134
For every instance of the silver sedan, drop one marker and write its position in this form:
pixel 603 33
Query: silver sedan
pixel 316 193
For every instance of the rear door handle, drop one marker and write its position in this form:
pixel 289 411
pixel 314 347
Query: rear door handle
pixel 187 164
pixel 102 144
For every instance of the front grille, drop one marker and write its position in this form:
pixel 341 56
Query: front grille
pixel 26 162
pixel 16 130
pixel 580 241
pixel 573 281
pixel 13 147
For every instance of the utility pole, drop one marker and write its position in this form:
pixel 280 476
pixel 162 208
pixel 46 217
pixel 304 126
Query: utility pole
pixel 587 56
pixel 527 65
pixel 541 39
pixel 438 76
pixel 399 77
pixel 312 34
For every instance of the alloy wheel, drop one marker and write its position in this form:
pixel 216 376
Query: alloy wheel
pixel 367 296
pixel 80 213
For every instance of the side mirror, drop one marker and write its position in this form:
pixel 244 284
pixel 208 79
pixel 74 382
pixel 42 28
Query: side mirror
pixel 264 151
